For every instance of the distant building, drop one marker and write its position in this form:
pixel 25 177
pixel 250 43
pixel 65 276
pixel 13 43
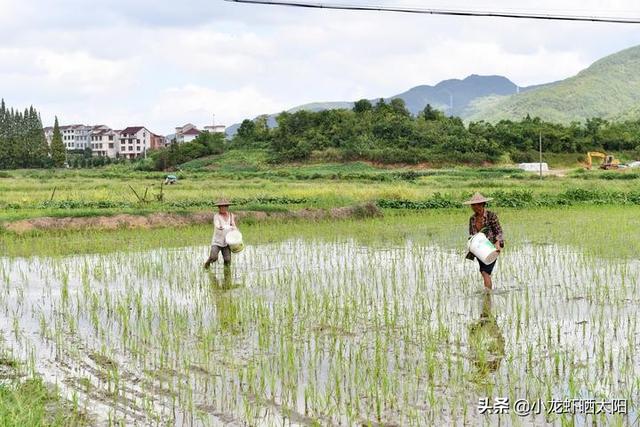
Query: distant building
pixel 534 167
pixel 101 139
pixel 105 142
pixel 216 128
pixel 48 134
pixel 135 141
pixel 186 133
pixel 189 132
pixel 157 142
pixel 74 137
pixel 129 143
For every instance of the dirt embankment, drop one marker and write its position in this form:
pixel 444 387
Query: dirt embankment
pixel 163 219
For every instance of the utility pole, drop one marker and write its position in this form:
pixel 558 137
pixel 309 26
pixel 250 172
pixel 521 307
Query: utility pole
pixel 540 155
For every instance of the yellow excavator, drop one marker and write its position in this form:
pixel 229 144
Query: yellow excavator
pixel 608 161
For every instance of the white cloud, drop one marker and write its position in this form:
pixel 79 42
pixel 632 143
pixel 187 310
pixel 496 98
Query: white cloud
pixel 63 74
pixel 83 72
pixel 205 50
pixel 121 62
pixel 197 104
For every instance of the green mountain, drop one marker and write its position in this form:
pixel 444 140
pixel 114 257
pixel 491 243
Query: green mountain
pixel 452 96
pixel 610 88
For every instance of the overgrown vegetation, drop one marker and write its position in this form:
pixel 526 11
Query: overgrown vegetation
pixel 523 199
pixel 205 144
pixel 254 185
pixel 388 133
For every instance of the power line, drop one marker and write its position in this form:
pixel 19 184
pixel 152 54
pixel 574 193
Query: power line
pixel 450 12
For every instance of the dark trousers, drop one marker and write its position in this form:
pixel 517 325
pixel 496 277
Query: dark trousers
pixel 486 268
pixel 226 253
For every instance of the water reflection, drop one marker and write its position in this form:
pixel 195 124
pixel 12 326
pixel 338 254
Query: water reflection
pixel 486 340
pixel 227 280
pixel 226 301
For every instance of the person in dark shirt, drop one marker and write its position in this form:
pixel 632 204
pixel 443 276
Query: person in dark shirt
pixel 486 222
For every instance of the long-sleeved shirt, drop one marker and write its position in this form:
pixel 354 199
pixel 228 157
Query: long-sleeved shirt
pixel 221 226
pixel 491 228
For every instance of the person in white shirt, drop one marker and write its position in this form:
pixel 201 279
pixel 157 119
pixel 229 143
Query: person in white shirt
pixel 223 222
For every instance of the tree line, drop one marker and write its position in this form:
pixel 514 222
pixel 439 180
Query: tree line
pixel 205 144
pixel 22 141
pixel 383 132
pixel 387 132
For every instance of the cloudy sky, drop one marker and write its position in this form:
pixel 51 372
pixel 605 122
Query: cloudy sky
pixel 161 64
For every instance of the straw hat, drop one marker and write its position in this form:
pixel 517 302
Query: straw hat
pixel 477 198
pixel 223 202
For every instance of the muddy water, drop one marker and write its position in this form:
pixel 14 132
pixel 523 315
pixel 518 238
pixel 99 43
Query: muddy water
pixel 327 332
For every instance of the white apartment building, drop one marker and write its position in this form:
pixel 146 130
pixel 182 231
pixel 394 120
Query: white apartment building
pixel 135 141
pixel 130 143
pixel 105 142
pixel 74 137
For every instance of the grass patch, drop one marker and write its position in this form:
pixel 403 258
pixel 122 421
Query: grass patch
pixel 32 403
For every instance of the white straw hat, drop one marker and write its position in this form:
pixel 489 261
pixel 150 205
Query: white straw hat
pixel 477 198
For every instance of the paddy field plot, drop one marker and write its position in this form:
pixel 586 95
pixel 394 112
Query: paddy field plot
pixel 376 322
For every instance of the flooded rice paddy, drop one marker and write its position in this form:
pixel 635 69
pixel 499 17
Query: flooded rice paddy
pixel 326 331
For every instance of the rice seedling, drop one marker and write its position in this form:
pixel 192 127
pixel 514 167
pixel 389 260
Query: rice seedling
pixel 376 322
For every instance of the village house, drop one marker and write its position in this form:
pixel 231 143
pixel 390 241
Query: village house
pixel 105 142
pixel 186 133
pixel 158 142
pixel 216 128
pixel 135 141
pixel 130 143
pixel 74 137
pixel 189 132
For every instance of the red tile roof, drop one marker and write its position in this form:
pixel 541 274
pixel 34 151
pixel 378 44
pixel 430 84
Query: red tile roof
pixel 132 129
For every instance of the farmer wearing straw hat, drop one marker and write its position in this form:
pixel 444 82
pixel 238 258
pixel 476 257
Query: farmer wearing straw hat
pixel 223 222
pixel 486 222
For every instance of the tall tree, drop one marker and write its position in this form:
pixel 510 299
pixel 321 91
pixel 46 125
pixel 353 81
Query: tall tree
pixel 58 151
pixel 362 106
pixel 4 135
pixel 247 129
pixel 22 140
pixel 429 113
pixel 37 151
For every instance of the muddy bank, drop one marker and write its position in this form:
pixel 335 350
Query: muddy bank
pixel 164 219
